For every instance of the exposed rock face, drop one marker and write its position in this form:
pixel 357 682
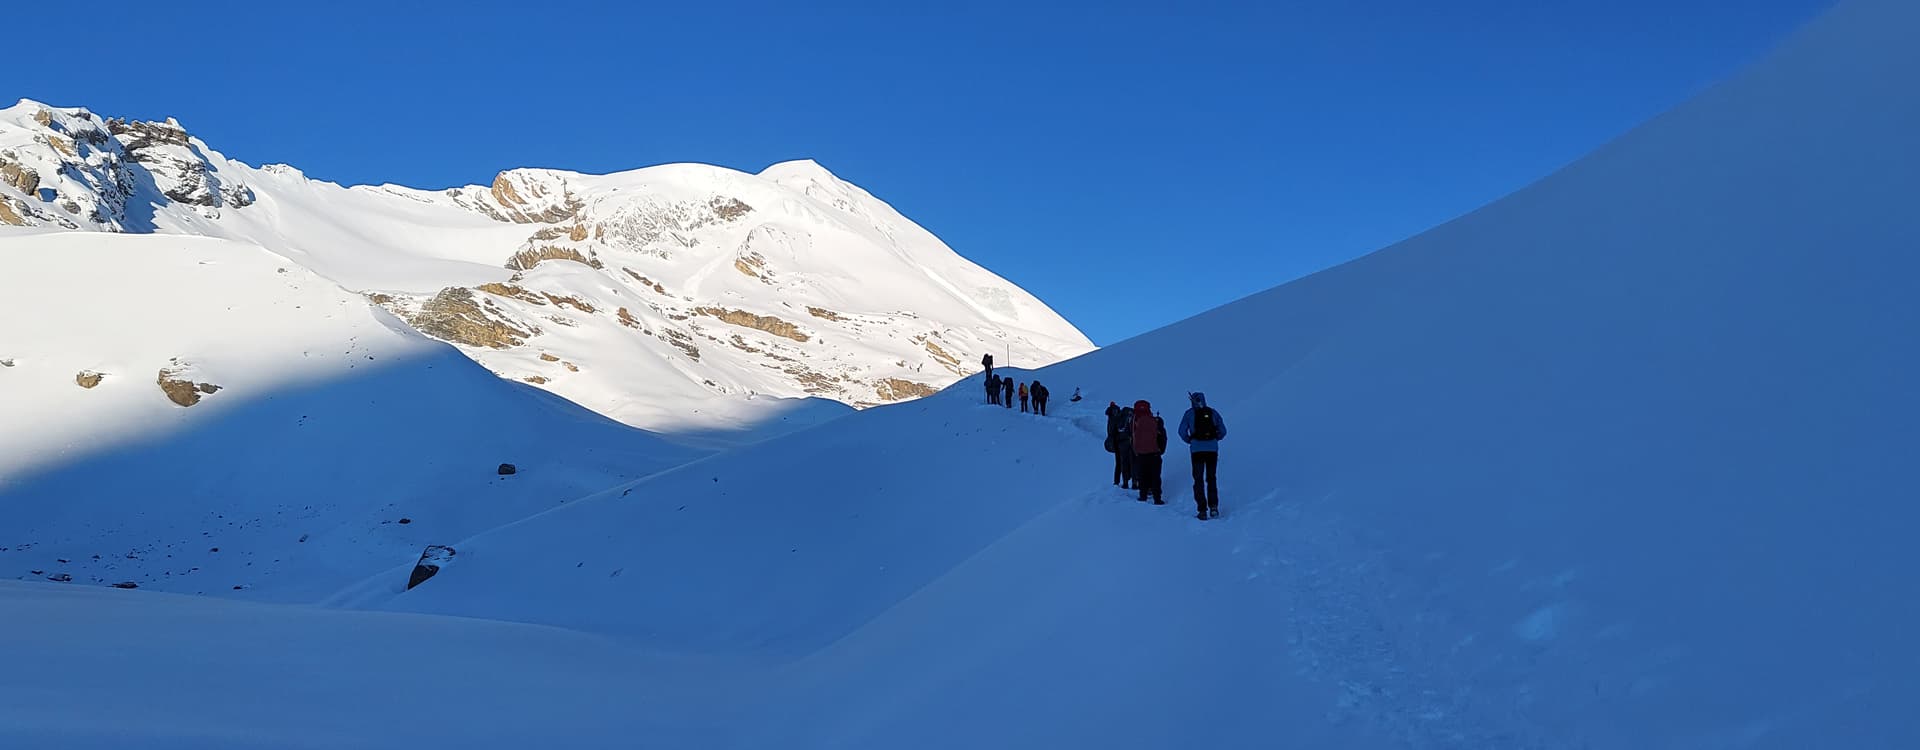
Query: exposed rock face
pixel 825 314
pixel 9 215
pixel 432 559
pixel 895 389
pixel 765 323
pixel 512 291
pixel 527 259
pixel 452 315
pixel 20 176
pixel 627 319
pixel 180 390
pixel 88 378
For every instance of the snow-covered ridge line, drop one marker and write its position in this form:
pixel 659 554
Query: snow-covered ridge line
pixel 635 293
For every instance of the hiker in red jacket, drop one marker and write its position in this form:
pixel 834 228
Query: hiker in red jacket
pixel 1149 443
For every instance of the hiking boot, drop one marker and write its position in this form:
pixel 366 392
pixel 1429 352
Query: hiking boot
pixel 1158 501
pixel 1201 515
pixel 1215 512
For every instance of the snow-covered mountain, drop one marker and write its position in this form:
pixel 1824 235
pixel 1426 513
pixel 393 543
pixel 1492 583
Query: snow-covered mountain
pixel 1619 461
pixel 669 298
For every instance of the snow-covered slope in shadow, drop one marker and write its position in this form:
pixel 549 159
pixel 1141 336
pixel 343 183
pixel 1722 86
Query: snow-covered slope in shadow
pixel 1618 460
pixel 210 418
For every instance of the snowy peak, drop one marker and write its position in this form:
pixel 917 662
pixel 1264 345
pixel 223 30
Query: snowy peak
pixel 69 168
pixel 637 293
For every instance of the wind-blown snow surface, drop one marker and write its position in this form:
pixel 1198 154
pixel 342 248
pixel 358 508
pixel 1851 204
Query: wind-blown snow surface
pixel 1618 461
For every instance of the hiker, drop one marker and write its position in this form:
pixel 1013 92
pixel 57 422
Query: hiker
pixel 1119 444
pixel 993 389
pixel 1039 398
pixel 987 362
pixel 1023 398
pixel 1202 429
pixel 1006 392
pixel 1076 396
pixel 1149 442
pixel 1124 449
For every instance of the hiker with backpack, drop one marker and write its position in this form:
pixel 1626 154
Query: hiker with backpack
pixel 986 361
pixel 1202 429
pixel 993 389
pixel 1039 398
pixel 1149 442
pixel 1122 468
pixel 1023 398
pixel 1006 392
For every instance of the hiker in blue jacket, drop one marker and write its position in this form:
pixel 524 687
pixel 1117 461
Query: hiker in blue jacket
pixel 1202 429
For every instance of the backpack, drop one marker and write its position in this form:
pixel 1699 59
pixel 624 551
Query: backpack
pixel 1206 424
pixel 1145 433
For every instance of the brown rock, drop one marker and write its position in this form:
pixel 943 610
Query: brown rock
pixel 824 314
pixel 88 378
pixel 728 209
pixel 527 259
pixel 545 357
pixel 626 319
pixel 535 379
pixel 452 315
pixel 896 389
pixel 181 391
pixel 21 176
pixel 746 319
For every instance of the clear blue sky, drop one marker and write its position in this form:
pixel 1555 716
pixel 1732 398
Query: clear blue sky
pixel 1068 147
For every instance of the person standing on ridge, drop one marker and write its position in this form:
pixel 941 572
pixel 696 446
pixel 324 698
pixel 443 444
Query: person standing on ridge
pixel 1123 445
pixel 993 390
pixel 1202 429
pixel 987 362
pixel 1006 392
pixel 1149 442
pixel 1120 477
pixel 1039 398
pixel 1023 398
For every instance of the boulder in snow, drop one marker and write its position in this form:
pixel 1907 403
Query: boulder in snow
pixel 430 561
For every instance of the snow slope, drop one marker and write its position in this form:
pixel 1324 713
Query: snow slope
pixel 331 421
pixel 1617 461
pixel 673 297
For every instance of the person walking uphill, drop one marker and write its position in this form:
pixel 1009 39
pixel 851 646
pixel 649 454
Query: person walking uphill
pixel 1202 429
pixel 1039 398
pixel 1149 442
pixel 993 389
pixel 1119 444
pixel 1006 392
pixel 1023 398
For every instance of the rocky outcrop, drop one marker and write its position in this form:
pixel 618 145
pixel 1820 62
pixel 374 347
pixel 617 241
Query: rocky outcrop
pixel 646 282
pixel 755 265
pixel 511 291
pixel 627 319
pixel 825 314
pixel 527 259
pixel 684 342
pixel 88 379
pixel 896 389
pixel 728 209
pixel 524 198
pixel 9 215
pixel 453 315
pixel 433 558
pixel 746 319
pixel 182 391
pixel 573 302
pixel 20 176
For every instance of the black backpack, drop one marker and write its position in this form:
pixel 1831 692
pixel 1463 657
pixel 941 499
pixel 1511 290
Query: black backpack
pixel 1206 424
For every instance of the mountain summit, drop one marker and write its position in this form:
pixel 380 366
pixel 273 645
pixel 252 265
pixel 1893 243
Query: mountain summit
pixel 665 297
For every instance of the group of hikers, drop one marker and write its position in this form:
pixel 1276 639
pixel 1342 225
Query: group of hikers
pixel 1000 391
pixel 1137 438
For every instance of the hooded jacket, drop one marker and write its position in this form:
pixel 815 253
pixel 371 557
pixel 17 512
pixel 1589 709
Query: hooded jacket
pixel 1186 426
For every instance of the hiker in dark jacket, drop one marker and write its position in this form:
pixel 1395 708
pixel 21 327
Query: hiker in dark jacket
pixel 986 361
pixel 1202 429
pixel 1039 398
pixel 1123 449
pixel 1006 392
pixel 1120 478
pixel 993 389
pixel 1149 442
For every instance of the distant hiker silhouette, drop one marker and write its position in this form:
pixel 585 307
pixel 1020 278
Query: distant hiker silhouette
pixel 993 389
pixel 1149 442
pixel 1039 397
pixel 1023 398
pixel 1076 396
pixel 1006 392
pixel 1202 429
pixel 987 362
pixel 1119 443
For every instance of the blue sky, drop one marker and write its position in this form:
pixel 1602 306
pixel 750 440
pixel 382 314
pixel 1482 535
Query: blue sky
pixel 1204 151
